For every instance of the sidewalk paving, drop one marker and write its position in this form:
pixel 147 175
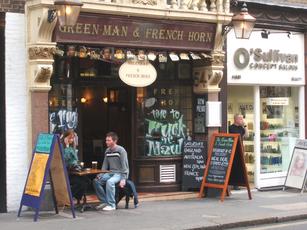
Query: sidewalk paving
pixel 207 213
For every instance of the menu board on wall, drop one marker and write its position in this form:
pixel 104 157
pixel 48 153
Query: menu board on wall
pixel 200 114
pixel 193 165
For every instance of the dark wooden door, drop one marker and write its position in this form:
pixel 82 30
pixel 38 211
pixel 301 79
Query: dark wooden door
pixel 119 116
pixel 106 109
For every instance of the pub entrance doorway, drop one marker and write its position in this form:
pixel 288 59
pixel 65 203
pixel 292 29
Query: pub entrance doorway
pixel 103 109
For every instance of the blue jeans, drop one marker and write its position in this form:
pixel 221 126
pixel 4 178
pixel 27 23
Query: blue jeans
pixel 109 180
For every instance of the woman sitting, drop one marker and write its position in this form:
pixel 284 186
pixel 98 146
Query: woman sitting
pixel 79 184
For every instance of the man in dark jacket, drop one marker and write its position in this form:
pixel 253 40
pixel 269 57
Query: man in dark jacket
pixel 239 127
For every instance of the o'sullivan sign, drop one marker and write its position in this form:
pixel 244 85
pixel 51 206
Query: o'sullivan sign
pixel 266 61
pixel 138 73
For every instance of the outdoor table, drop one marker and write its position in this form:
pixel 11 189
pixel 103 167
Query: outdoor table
pixel 90 171
pixel 87 172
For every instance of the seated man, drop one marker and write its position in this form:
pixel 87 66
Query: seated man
pixel 116 162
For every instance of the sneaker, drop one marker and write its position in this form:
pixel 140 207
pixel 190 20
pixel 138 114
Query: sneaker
pixel 101 206
pixel 136 202
pixel 108 208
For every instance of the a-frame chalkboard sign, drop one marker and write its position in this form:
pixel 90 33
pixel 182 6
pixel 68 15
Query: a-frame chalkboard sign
pixel 47 159
pixel 225 164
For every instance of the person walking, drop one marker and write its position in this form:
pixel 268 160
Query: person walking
pixel 116 161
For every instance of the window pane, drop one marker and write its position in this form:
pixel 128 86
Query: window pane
pixel 164 120
pixel 279 127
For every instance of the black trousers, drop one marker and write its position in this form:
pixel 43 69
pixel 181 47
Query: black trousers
pixel 79 185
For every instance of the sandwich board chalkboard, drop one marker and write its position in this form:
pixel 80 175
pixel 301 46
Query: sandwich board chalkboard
pixel 47 160
pixel 225 164
pixel 193 164
pixel 296 175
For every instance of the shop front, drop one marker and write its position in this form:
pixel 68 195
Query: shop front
pixel 266 84
pixel 95 85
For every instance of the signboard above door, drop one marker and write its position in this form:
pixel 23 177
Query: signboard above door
pixel 138 73
pixel 138 32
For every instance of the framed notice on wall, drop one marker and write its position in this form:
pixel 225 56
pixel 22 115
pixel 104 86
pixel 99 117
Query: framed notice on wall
pixel 296 176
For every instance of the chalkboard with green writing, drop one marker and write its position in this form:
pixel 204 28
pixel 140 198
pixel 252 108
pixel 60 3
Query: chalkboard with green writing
pixel 220 158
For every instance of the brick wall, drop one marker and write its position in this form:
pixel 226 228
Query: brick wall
pixel 16 96
pixel 12 6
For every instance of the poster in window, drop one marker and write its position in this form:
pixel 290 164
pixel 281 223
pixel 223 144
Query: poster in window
pixel 200 114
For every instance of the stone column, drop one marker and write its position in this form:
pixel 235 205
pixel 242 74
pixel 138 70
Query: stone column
pixel 207 80
pixel 39 66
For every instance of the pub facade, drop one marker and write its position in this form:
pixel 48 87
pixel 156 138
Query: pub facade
pixel 92 77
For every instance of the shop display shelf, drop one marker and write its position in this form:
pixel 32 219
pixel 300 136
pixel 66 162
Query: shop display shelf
pixel 270 154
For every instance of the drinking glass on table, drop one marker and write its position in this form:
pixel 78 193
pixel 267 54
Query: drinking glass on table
pixel 94 165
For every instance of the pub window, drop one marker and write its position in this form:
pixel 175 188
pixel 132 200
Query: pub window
pixel 164 120
pixel 63 112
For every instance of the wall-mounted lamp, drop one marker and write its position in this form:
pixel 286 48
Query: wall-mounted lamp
pixel 83 100
pixel 67 12
pixel 242 23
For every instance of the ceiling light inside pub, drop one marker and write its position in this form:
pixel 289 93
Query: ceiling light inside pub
pixel 83 100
